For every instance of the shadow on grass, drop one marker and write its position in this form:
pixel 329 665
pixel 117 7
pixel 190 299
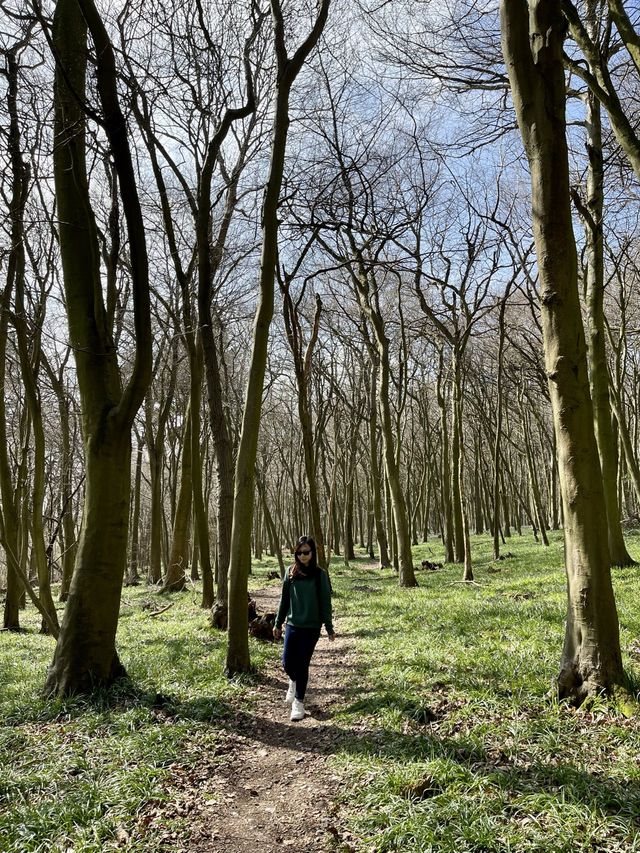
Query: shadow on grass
pixel 120 697
pixel 561 780
pixel 570 784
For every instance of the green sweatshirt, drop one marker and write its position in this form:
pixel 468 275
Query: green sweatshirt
pixel 300 606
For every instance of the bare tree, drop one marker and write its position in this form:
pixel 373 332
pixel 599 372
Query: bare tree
pixel 85 655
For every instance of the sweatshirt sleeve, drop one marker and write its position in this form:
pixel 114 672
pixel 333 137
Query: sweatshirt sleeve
pixel 326 602
pixel 283 607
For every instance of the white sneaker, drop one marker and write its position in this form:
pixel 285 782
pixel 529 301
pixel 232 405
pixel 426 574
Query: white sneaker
pixel 297 710
pixel 291 692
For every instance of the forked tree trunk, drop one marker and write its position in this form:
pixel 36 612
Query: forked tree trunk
pixel 85 655
pixel 532 41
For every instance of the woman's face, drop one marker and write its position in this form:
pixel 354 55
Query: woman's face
pixel 304 554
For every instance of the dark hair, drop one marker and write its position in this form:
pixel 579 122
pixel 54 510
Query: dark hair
pixel 312 566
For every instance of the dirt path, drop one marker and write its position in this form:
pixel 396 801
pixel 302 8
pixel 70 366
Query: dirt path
pixel 267 786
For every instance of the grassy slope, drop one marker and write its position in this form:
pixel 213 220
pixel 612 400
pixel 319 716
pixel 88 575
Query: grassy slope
pixel 464 747
pixel 455 745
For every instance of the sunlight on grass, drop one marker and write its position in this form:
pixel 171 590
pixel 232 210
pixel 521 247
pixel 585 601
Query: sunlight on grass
pixel 74 774
pixel 452 739
pixel 462 745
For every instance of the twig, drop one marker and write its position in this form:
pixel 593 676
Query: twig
pixel 471 583
pixel 162 610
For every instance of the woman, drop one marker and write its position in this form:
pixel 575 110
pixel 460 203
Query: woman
pixel 306 605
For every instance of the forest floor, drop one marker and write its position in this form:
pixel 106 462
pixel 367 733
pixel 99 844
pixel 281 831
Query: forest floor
pixel 434 725
pixel 267 785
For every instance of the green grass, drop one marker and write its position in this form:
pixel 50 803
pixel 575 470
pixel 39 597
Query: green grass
pixel 450 740
pixel 463 746
pixel 74 774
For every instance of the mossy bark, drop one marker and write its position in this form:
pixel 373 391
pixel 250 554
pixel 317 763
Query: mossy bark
pixel 85 655
pixel 532 40
pixel 238 659
pixel 376 478
pixel 592 216
pixel 175 578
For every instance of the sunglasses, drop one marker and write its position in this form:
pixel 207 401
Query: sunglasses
pixel 303 553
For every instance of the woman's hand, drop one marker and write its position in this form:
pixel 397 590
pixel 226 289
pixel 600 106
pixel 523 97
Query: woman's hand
pixel 277 633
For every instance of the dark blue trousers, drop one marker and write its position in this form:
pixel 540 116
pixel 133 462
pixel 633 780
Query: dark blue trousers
pixel 299 644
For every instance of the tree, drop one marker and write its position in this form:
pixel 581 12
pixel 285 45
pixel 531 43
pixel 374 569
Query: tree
pixel 240 555
pixel 302 361
pixel 532 41
pixel 85 654
pixel 592 215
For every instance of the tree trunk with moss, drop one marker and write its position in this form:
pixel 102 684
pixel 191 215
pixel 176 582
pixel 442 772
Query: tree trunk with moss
pixel 445 478
pixel 238 659
pixel 133 575
pixel 85 656
pixel 592 217
pixel 376 476
pixel 532 41
pixel 175 578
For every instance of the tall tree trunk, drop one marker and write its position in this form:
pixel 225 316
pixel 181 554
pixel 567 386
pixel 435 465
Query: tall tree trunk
pixel 175 579
pixel 9 513
pixel 272 531
pixel 532 40
pixel 630 458
pixel 200 513
pixel 240 556
pixel 85 655
pixel 458 468
pixel 592 215
pixel 498 438
pixel 406 575
pixel 133 576
pixel 156 453
pixel 447 507
pixel 477 488
pixel 376 478
pixel 533 479
pixel 66 496
pixel 8 509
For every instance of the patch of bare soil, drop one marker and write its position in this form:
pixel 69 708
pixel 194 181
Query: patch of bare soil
pixel 267 785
